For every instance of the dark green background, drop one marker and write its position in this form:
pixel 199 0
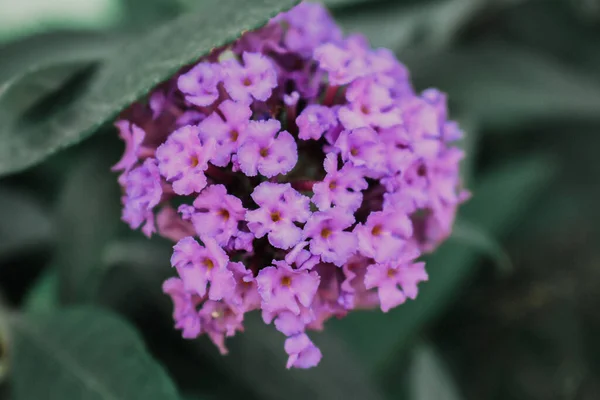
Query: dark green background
pixel 511 308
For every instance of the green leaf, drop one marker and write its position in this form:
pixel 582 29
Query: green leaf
pixel 257 358
pixel 430 378
pixel 472 235
pixel 500 200
pixel 51 49
pixel 43 296
pixel 130 73
pixel 504 86
pixel 88 217
pixel 83 353
pixel 400 25
pixel 24 223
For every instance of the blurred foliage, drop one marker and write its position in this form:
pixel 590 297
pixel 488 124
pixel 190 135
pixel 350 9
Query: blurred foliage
pixel 510 311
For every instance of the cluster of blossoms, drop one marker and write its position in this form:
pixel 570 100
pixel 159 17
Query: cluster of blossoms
pixel 299 174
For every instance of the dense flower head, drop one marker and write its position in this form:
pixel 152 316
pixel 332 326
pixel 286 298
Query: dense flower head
pixel 299 174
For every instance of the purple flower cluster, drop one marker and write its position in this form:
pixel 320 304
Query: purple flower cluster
pixel 299 173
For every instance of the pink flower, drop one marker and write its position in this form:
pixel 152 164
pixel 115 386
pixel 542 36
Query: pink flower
pixel 143 192
pixel 280 206
pixel 403 272
pixel 254 80
pixel 199 265
pixel 384 235
pixel 184 308
pixel 282 288
pixel 341 188
pixel 328 238
pixel 183 158
pixel 228 132
pixel 314 121
pixel 267 152
pixel 303 353
pixel 215 214
pixel 200 84
pixel 133 136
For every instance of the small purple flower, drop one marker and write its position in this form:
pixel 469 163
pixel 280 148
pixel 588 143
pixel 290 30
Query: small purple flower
pixel 403 272
pixel 199 265
pixel 184 308
pixel 246 295
pixel 329 240
pixel 133 136
pixel 201 84
pixel 342 62
pixel 228 133
pixel 256 79
pixel 314 121
pixel 303 353
pixel 339 187
pixel 280 206
pixel 143 192
pixel 289 323
pixel 398 147
pixel 219 320
pixel 363 148
pixel 265 152
pixel 215 214
pixel 183 158
pixel 171 225
pixel 301 258
pixel 282 288
pixel 370 104
pixel 302 37
pixel 384 235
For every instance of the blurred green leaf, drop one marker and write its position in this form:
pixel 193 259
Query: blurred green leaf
pixel 37 52
pixel 259 353
pixel 430 379
pixel 83 353
pixel 504 86
pixel 498 201
pixel 24 223
pixel 130 73
pixel 43 296
pixel 471 235
pixel 88 217
pixel 398 25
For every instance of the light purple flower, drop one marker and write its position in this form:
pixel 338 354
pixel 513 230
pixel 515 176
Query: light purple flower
pixel 328 238
pixel 369 105
pixel 183 158
pixel 219 320
pixel 133 136
pixel 256 79
pixel 384 235
pixel 143 192
pixel 302 37
pixel 215 214
pixel 403 272
pixel 184 308
pixel 282 288
pixel 266 151
pixel 341 188
pixel 171 226
pixel 200 85
pixel 199 265
pixel 229 132
pixel 343 62
pixel 246 296
pixel 280 206
pixel 302 352
pixel 363 148
pixel 314 121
